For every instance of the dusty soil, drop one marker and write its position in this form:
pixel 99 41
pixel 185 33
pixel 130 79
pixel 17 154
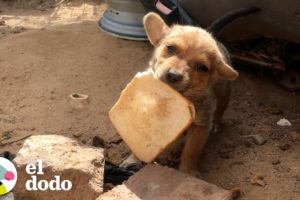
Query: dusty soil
pixel 60 50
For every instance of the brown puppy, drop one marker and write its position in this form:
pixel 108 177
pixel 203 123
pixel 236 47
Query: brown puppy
pixel 191 61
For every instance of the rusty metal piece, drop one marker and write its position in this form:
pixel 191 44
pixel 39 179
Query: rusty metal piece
pixel 258 58
pixel 254 61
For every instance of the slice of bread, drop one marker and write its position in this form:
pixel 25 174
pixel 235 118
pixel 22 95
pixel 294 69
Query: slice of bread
pixel 150 115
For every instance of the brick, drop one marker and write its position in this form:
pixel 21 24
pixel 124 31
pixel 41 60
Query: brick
pixel 162 183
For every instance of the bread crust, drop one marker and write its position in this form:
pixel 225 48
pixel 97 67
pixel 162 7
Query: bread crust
pixel 150 115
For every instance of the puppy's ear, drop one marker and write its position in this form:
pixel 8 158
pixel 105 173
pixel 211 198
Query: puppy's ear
pixel 155 27
pixel 227 72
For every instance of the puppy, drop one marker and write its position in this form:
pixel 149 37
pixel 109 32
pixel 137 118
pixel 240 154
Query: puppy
pixel 191 61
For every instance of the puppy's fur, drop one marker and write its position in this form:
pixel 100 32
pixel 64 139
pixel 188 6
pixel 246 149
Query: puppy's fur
pixel 191 61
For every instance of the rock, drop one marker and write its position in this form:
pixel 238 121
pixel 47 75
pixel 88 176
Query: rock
pixel 284 122
pixel 284 147
pixel 257 139
pixel 62 156
pixel 163 183
pixel 77 134
pixel 258 179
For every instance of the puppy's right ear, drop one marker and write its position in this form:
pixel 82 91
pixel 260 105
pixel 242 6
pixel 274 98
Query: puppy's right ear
pixel 155 27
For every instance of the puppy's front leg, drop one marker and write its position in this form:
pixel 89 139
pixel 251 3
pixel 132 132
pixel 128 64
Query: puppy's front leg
pixel 195 141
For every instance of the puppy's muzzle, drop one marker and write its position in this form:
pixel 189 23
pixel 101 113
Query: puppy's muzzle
pixel 172 76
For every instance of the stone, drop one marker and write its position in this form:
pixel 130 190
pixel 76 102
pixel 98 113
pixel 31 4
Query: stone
pixel 258 179
pixel 284 122
pixel 163 183
pixel 257 139
pixel 64 157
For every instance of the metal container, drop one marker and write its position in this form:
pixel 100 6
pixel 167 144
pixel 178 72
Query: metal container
pixel 124 19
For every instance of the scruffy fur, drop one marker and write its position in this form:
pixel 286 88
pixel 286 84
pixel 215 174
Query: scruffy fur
pixel 203 66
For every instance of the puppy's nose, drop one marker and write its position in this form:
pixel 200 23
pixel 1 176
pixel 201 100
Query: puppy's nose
pixel 173 76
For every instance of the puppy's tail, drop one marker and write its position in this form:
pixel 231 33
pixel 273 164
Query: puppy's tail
pixel 223 21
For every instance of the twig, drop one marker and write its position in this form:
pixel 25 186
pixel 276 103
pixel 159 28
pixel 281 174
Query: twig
pixel 14 140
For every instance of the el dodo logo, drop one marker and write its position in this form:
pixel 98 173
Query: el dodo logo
pixel 35 184
pixel 8 176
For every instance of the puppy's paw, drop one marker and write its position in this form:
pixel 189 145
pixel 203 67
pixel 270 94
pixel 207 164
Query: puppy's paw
pixel 129 161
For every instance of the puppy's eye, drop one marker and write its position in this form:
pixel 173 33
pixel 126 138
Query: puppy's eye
pixel 201 68
pixel 171 49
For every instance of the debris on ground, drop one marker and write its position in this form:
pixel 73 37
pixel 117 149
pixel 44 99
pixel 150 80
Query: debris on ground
pixel 284 122
pixel 15 139
pixel 79 101
pixel 82 165
pixel 258 179
pixel 262 52
pixel 257 139
pixel 6 135
pixel 273 110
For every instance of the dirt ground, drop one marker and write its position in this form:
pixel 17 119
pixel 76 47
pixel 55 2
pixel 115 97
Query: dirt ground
pixel 45 55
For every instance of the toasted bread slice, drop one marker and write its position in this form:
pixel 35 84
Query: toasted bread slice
pixel 150 115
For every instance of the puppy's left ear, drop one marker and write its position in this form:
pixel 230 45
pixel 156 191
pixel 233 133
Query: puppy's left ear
pixel 227 72
pixel 155 27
